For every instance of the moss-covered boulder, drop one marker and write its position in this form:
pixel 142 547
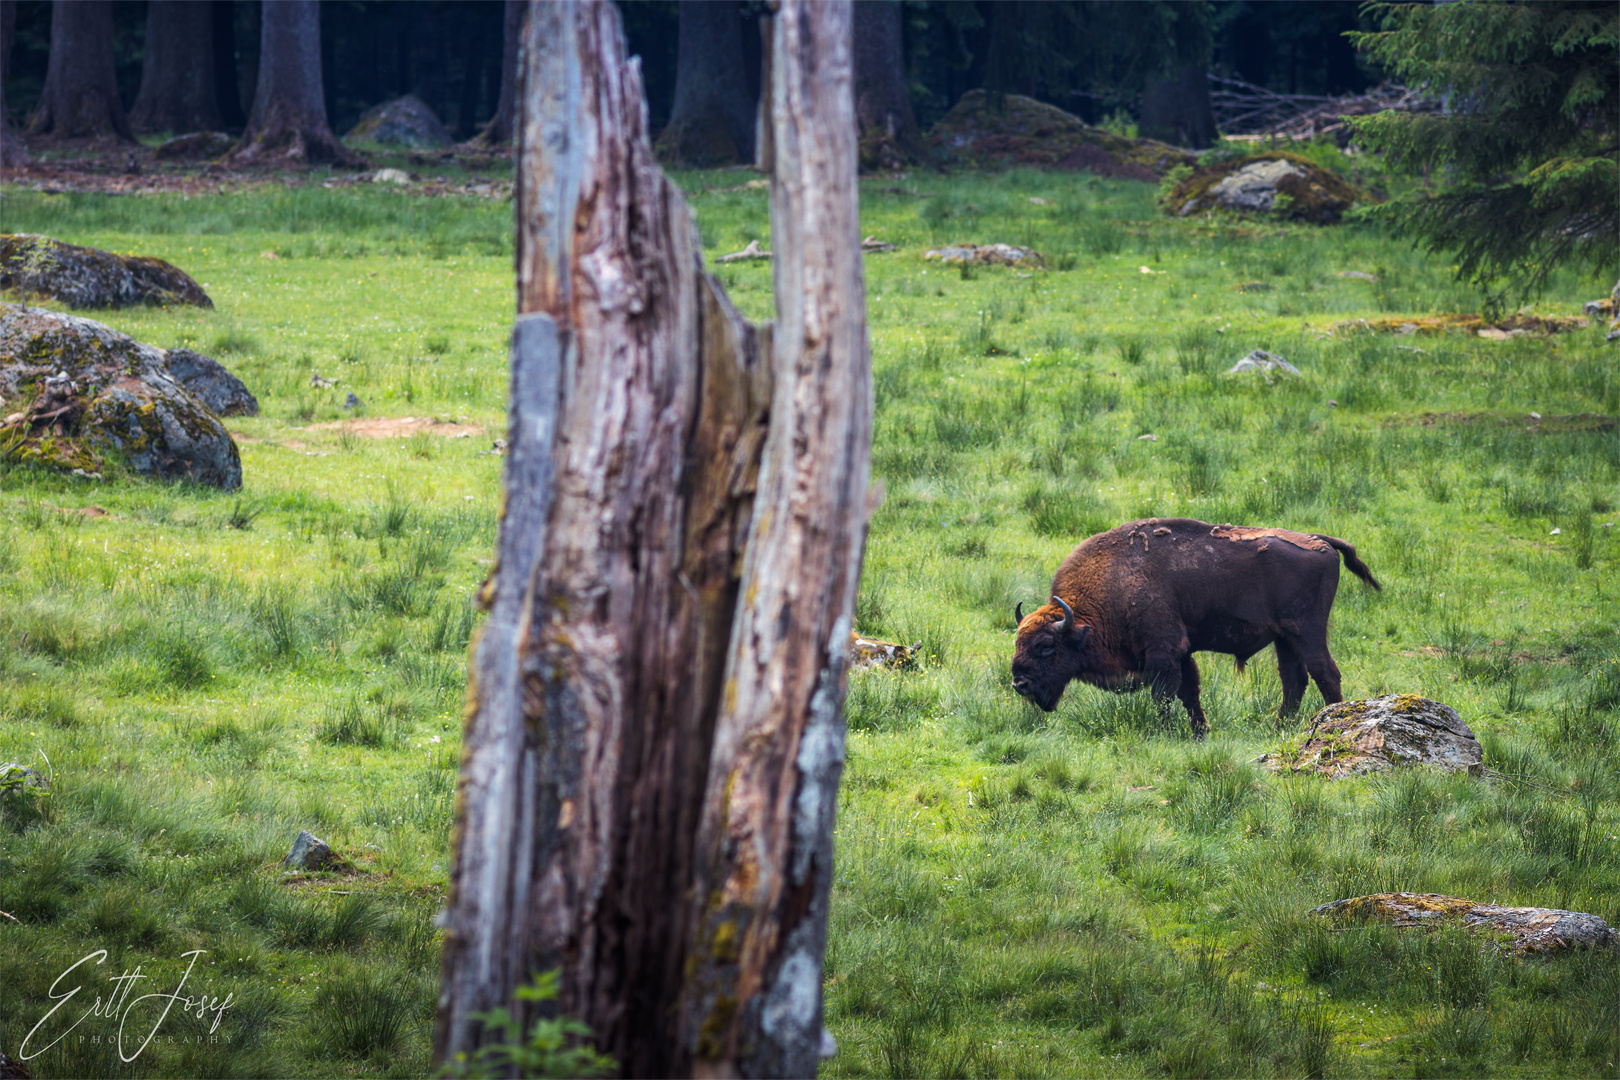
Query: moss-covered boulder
pixel 74 392
pixel 982 132
pixel 84 277
pixel 1276 184
pixel 405 121
pixel 1351 738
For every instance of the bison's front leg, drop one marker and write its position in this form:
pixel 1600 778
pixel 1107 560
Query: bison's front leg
pixel 1177 676
pixel 1189 697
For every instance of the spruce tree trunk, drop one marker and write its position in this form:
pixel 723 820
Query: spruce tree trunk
pixel 888 129
pixel 712 119
pixel 1176 108
pixel 177 72
pixel 12 152
pixel 663 661
pixel 81 84
pixel 499 130
pixel 287 126
pixel 227 94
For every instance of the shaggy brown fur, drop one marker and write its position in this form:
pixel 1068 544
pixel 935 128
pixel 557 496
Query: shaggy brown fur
pixel 1149 594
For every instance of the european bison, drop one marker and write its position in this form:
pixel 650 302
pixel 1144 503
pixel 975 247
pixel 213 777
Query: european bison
pixel 1131 605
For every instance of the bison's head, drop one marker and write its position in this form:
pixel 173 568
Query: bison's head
pixel 1047 653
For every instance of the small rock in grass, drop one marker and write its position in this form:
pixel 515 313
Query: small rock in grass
pixel 310 852
pixel 1263 362
pixel 354 401
pixel 865 652
pixel 22 779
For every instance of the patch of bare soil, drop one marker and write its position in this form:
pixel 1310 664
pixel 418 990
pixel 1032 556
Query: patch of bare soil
pixel 399 427
pixel 106 167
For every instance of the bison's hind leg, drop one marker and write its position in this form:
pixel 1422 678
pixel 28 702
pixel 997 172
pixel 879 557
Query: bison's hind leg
pixel 1297 662
pixel 1291 670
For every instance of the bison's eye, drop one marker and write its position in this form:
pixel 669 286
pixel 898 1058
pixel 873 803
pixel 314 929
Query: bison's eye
pixel 1046 648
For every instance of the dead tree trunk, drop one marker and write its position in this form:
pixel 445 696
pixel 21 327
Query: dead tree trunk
pixel 655 737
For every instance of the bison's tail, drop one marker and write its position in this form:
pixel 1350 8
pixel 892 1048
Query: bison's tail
pixel 1357 567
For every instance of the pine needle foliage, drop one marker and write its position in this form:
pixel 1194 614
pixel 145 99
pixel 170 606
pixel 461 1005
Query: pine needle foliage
pixel 1523 165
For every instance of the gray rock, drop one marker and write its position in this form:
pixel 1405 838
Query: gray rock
pixel 1353 738
pixel 353 401
pixel 405 121
pixel 83 277
pixel 1254 187
pixel 22 779
pixel 215 387
pixel 89 390
pixel 1528 929
pixel 310 852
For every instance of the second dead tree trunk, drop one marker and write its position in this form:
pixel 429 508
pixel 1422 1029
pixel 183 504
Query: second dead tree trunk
pixel 177 72
pixel 288 125
pixel 81 84
pixel 655 735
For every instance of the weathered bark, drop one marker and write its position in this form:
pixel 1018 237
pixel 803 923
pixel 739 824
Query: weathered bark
pixel 621 690
pixel 288 124
pixel 1176 108
pixel 597 678
pixel 888 130
pixel 712 119
pixel 12 152
pixel 499 130
pixel 81 85
pixel 177 71
pixel 752 1005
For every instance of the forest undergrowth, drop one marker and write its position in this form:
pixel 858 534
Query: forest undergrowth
pixel 1086 893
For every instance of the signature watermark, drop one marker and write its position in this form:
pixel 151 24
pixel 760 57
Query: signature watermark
pixel 130 1012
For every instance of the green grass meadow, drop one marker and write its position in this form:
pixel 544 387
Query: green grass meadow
pixel 1085 893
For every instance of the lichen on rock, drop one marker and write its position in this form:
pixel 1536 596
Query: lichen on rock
pixel 89 392
pixel 1524 929
pixel 1352 738
pixel 84 277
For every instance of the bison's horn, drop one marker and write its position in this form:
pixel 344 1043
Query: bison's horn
pixel 1068 615
pixel 1018 611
